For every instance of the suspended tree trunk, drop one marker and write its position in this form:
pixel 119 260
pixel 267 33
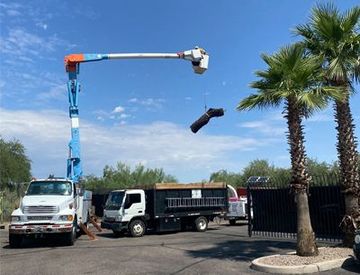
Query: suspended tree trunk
pixel 300 180
pixel 350 179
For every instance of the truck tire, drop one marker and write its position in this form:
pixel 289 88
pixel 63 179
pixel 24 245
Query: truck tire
pixel 201 224
pixel 70 237
pixel 15 240
pixel 137 228
pixel 232 222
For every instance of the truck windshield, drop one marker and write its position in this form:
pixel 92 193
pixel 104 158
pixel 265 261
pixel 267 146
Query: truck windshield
pixel 114 200
pixel 62 188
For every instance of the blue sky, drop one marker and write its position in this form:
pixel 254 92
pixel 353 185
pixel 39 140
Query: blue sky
pixel 139 111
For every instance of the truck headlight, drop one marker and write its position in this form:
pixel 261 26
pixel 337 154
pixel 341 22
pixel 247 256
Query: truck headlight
pixel 15 218
pixel 357 239
pixel 66 218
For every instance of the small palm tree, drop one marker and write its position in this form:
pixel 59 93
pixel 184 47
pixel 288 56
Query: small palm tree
pixel 335 38
pixel 293 78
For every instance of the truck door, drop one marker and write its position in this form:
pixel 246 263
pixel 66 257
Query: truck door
pixel 134 205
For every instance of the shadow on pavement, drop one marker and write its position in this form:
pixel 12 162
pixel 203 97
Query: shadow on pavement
pixel 50 242
pixel 244 250
pixel 108 234
pixel 248 250
pixel 352 266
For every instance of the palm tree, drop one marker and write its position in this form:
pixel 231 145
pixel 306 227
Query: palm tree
pixel 335 38
pixel 293 78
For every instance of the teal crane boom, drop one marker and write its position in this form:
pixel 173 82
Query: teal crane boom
pixel 197 56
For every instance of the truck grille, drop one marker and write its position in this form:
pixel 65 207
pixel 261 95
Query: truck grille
pixel 40 209
pixel 39 218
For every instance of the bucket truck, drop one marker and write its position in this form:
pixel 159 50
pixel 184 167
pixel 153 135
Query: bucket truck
pixel 59 205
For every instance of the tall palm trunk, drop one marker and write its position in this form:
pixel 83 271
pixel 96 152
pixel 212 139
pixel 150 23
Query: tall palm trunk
pixel 350 179
pixel 300 181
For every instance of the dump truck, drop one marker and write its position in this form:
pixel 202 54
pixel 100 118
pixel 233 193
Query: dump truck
pixel 50 206
pixel 164 207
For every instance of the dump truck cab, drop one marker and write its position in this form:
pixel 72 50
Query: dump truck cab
pixel 122 207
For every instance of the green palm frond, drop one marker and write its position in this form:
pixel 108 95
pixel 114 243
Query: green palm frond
pixel 290 73
pixel 260 100
pixel 334 36
pixel 351 19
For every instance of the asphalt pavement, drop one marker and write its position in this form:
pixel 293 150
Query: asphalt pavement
pixel 223 249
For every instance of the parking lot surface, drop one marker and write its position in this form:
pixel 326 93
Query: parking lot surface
pixel 222 249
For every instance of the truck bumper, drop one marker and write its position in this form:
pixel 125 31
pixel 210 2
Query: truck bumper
pixel 40 228
pixel 116 226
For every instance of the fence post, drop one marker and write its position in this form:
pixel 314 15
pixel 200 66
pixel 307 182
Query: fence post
pixel 248 210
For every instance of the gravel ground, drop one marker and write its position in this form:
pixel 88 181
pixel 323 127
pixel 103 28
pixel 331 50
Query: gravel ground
pixel 325 254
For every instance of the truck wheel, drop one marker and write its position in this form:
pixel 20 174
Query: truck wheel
pixel 137 228
pixel 15 240
pixel 70 237
pixel 232 222
pixel 201 224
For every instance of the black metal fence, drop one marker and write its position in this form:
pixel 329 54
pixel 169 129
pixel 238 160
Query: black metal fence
pixel 274 209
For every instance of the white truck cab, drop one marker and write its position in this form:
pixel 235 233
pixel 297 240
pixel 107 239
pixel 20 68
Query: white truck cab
pixel 53 205
pixel 124 206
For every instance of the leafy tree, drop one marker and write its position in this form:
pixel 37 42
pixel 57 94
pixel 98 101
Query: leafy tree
pixel 334 37
pixel 258 168
pixel 293 78
pixel 122 176
pixel 15 166
pixel 15 172
pixel 230 178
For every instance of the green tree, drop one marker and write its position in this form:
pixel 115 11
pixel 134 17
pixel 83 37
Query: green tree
pixel 293 78
pixel 122 176
pixel 233 179
pixel 334 37
pixel 15 172
pixel 258 168
pixel 15 165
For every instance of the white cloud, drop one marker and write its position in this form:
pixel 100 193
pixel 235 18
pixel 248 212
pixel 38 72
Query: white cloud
pixel 188 98
pixel 13 12
pixel 321 117
pixel 133 100
pixel 118 109
pixel 57 92
pixel 266 127
pixel 123 116
pixel 45 134
pixel 151 104
pixel 42 25
pixel 20 42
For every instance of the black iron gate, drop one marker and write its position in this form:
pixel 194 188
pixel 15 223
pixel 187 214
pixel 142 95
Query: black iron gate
pixel 274 210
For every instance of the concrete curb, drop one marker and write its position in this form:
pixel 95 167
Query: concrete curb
pixel 297 269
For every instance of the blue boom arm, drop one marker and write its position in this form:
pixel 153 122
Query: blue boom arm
pixel 197 56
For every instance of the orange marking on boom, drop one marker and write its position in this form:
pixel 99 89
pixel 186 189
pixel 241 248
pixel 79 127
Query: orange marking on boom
pixel 71 60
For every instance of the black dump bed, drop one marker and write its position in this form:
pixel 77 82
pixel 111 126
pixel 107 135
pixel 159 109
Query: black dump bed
pixel 174 199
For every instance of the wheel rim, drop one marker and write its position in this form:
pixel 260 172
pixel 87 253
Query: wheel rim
pixel 138 229
pixel 202 224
